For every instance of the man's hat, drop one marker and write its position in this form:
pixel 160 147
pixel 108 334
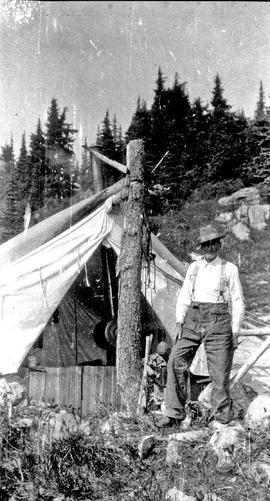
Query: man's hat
pixel 208 233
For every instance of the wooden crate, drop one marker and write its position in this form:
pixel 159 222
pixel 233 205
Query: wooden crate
pixel 83 389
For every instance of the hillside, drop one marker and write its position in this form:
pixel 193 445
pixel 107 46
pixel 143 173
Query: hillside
pixel 179 230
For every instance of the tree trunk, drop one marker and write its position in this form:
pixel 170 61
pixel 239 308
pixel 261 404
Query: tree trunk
pixel 128 362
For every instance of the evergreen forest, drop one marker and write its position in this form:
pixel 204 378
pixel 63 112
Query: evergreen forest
pixel 191 149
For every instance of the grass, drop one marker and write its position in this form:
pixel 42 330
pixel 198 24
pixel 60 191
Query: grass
pixel 108 467
pixel 179 230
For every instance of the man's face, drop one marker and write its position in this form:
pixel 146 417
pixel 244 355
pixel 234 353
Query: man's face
pixel 210 249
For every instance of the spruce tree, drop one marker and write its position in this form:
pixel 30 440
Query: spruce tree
pixel 226 138
pixel 260 113
pixel 37 159
pixel 59 154
pixel 108 148
pixel 12 217
pixel 8 155
pixel 197 144
pixel 218 102
pixel 158 120
pixel 23 175
pixel 140 126
pixel 86 174
pixel 257 165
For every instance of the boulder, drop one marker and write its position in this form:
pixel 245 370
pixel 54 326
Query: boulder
pixel 258 413
pixel 58 425
pixel 146 445
pixel 189 436
pixel 258 215
pixel 224 442
pixel 176 495
pixel 241 231
pixel 174 454
pixel 228 437
pixel 250 196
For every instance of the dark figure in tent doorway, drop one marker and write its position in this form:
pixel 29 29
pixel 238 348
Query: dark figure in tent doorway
pixel 210 309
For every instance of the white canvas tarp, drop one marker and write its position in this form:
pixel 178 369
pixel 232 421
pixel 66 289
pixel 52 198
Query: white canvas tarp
pixel 32 286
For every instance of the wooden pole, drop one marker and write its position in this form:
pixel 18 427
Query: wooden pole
pixel 128 363
pixel 249 363
pixel 142 400
pixel 255 332
pixel 96 166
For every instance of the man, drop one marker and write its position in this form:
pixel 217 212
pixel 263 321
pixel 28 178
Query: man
pixel 210 309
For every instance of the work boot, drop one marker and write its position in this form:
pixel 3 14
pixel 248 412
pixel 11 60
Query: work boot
pixel 167 421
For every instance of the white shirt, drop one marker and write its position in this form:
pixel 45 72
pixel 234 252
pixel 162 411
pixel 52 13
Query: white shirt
pixel 207 287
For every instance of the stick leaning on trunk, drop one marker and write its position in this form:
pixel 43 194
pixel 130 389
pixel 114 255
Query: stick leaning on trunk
pixel 142 400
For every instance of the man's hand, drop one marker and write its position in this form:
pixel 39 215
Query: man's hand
pixel 178 331
pixel 235 340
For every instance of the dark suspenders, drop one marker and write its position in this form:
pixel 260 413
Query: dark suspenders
pixel 222 280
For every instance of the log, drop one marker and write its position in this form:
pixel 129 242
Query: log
pixel 249 363
pixel 254 332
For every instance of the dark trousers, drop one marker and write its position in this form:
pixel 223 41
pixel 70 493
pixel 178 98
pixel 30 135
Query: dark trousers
pixel 210 323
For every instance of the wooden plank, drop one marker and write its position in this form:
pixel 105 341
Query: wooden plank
pixel 83 388
pixel 37 385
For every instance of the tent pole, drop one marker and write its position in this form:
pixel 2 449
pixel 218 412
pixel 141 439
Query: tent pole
pixel 76 333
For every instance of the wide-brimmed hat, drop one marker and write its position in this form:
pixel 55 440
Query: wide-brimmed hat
pixel 208 233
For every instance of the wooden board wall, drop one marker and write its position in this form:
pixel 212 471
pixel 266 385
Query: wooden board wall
pixel 83 389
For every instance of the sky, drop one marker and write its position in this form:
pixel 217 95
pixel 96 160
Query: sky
pixel 98 55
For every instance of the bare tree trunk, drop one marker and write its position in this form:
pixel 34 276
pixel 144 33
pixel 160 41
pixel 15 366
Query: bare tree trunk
pixel 128 362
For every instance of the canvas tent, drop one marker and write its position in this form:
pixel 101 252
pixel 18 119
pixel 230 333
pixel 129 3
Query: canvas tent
pixel 38 267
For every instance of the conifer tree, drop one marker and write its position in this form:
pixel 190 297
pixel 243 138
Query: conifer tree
pixel 86 174
pixel 59 154
pixel 226 138
pixel 260 113
pixel 23 176
pixel 218 102
pixel 140 126
pixel 198 143
pixel 158 120
pixel 8 155
pixel 12 217
pixel 37 159
pixel 107 147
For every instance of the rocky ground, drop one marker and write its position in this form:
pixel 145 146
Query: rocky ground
pixel 49 454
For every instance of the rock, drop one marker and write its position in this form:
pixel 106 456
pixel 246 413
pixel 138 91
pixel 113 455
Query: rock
pixel 241 231
pixel 146 445
pixel 250 196
pixel 173 455
pixel 176 495
pixel 224 217
pixel 241 214
pixel 59 425
pixel 258 413
pixel 242 395
pixel 225 440
pixel 258 215
pixel 25 423
pixel 260 470
pixel 11 393
pixel 189 436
